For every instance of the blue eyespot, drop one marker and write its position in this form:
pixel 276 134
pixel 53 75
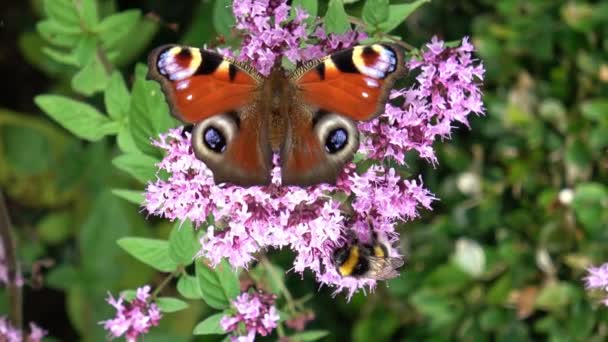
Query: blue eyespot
pixel 336 140
pixel 214 140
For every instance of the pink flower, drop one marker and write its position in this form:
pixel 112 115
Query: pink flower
pixel 257 313
pixel 9 333
pixel 269 34
pixel 314 221
pixel 309 221
pixel 134 318
pixel 447 89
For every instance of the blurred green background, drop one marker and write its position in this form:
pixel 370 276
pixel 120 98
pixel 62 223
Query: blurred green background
pixel 523 194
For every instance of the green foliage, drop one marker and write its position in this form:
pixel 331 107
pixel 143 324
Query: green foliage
pixel 211 325
pixel 218 286
pixel 336 19
pixel 499 258
pixel 152 252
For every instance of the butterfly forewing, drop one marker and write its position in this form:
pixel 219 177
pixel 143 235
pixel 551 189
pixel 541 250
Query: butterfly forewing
pixel 336 91
pixel 219 96
pixel 199 83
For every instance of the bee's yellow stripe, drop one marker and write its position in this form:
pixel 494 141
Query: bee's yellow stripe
pixel 379 251
pixel 349 265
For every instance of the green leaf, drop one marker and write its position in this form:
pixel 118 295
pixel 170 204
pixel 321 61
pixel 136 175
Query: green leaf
pixel 28 152
pixel 375 12
pixel 105 224
pixel 133 196
pixel 55 34
pixel 555 296
pixel 183 243
pixel 125 140
pixel 595 110
pixel 578 154
pixel 88 13
pixel 135 43
pixel 92 78
pixel 117 26
pixel 129 295
pixel 398 14
pixel 590 205
pixel 438 309
pixel 223 19
pixel 61 57
pixel 142 167
pixel 152 252
pixel 210 325
pixel 336 19
pixel 261 274
pixel 310 6
pixel 116 97
pixel 228 279
pixel 212 289
pixel 79 118
pixel 187 286
pixel 62 11
pixel 55 227
pixel 170 304
pixel 86 49
pixel 62 277
pixel 149 115
pixel 311 335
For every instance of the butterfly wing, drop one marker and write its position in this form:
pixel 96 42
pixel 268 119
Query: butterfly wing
pixel 219 96
pixel 336 91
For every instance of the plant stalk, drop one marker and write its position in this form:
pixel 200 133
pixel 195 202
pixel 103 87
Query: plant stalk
pixel 15 296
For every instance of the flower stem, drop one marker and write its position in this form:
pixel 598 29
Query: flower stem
pixel 163 284
pixel 275 277
pixel 15 298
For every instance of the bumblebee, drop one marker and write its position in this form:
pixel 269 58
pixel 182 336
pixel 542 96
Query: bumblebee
pixel 360 260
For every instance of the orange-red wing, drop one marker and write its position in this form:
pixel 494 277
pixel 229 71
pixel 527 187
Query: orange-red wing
pixel 306 158
pixel 354 82
pixel 199 83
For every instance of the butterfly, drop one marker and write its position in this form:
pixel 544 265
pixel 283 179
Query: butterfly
pixel 308 116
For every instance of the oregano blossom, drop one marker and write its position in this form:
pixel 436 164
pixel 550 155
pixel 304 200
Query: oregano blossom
pixel 597 279
pixel 254 314
pixel 133 318
pixel 314 221
pixel 447 90
pixel 8 333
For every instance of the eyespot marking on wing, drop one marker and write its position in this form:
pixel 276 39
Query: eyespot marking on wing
pixel 375 61
pixel 178 63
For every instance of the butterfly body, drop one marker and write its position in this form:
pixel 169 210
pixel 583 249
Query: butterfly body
pixel 307 116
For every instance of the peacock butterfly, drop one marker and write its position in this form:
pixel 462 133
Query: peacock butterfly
pixel 308 115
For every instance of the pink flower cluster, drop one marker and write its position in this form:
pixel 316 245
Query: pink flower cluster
pixel 597 279
pixel 255 312
pixel 270 33
pixel 8 333
pixel 315 221
pixel 134 318
pixel 310 221
pixel 447 90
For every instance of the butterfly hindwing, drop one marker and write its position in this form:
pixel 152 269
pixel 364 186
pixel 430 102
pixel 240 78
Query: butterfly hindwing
pixel 218 95
pixel 317 155
pixel 335 92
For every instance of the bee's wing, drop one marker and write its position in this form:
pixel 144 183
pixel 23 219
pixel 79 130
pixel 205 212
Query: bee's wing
pixel 384 268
